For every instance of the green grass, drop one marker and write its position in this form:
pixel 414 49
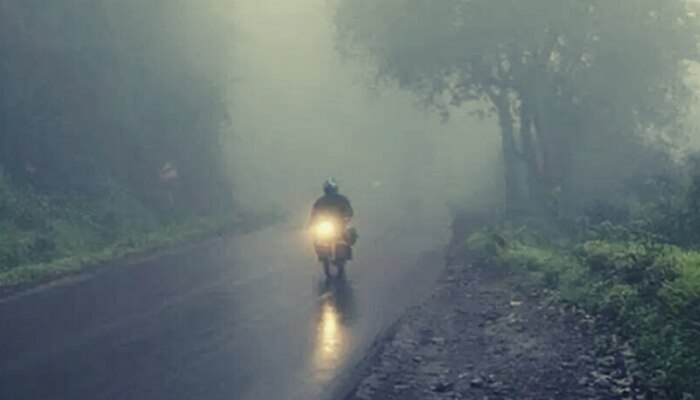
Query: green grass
pixel 649 291
pixel 45 237
pixel 137 243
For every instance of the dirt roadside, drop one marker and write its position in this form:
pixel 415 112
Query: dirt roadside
pixel 477 338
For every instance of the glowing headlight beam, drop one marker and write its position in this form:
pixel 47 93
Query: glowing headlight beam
pixel 325 229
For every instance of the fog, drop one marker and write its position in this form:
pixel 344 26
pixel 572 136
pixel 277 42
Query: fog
pixel 146 83
pixel 131 126
pixel 302 114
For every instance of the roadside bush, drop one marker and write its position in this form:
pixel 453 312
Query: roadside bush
pixel 649 291
pixel 43 238
pixel 485 248
pixel 644 266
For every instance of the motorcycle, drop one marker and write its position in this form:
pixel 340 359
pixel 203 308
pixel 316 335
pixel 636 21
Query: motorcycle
pixel 333 241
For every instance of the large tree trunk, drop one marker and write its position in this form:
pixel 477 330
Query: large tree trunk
pixel 513 198
pixel 557 166
pixel 530 157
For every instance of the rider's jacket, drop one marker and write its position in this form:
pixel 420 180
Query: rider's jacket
pixel 333 204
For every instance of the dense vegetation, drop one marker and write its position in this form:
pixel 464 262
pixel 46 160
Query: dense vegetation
pixel 109 128
pixel 577 87
pixel 638 280
pixel 601 200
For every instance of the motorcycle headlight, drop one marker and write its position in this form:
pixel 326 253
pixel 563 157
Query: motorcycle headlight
pixel 325 230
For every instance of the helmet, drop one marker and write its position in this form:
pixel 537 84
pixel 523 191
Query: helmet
pixel 330 186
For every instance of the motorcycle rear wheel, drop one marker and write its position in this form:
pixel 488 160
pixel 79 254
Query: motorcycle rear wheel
pixel 341 270
pixel 327 268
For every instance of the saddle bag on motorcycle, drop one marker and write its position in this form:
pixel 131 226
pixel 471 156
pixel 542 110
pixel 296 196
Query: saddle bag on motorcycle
pixel 351 236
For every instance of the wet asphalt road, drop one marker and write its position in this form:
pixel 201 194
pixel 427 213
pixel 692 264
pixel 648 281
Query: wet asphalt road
pixel 243 317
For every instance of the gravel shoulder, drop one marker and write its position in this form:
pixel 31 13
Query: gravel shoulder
pixel 478 338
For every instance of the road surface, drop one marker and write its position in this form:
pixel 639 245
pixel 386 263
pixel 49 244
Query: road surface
pixel 243 317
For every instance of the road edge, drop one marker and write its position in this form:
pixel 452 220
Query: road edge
pixel 346 387
pixel 89 271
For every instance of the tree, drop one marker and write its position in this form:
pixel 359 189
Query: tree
pixel 96 97
pixel 576 85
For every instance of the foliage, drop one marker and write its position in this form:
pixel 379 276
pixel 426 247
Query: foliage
pixel 584 82
pixel 649 291
pixel 34 271
pixel 98 98
pixel 110 131
pixel 589 96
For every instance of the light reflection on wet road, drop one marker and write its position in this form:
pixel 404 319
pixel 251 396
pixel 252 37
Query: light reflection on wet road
pixel 332 332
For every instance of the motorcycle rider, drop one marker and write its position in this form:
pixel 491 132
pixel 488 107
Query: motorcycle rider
pixel 334 203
